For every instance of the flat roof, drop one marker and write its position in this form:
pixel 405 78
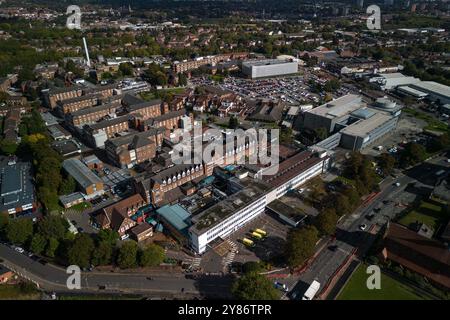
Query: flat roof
pixel 207 219
pixel 267 62
pixel 82 174
pixel 412 91
pixel 434 87
pixel 338 107
pixel 176 215
pixel 364 127
pixel 17 188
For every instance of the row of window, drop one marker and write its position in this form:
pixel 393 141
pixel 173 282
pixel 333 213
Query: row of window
pixel 236 219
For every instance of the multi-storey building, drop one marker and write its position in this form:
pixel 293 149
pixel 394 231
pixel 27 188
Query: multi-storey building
pixel 61 94
pixel 132 149
pixel 78 103
pixel 99 132
pixel 91 115
pixel 147 109
pixel 202 61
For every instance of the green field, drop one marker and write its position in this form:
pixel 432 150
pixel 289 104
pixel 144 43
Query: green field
pixel 81 206
pixel 429 212
pixel 14 292
pixel 391 289
pixel 433 124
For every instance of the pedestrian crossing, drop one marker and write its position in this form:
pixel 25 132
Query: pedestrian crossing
pixel 229 258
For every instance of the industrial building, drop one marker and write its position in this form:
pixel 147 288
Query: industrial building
pixel 269 68
pixel 436 92
pixel 327 115
pixel 353 124
pixel 389 81
pixel 90 184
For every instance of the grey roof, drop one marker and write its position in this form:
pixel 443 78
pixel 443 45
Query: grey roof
pixel 107 123
pixel 120 141
pixel 16 185
pixel 95 109
pixel 144 104
pixel 81 173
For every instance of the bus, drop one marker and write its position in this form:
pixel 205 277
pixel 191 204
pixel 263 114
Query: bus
pixel 261 232
pixel 248 242
pixel 256 235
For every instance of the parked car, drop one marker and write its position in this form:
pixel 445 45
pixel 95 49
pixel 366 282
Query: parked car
pixel 19 250
pixel 363 227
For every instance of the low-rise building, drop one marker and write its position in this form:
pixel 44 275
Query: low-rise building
pixel 89 183
pixel 52 96
pixel 142 232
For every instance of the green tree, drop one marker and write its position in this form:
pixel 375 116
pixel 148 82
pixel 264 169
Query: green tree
pixel 342 205
pixel 126 69
pixel 102 254
pixel 8 147
pixel 412 154
pixel 51 248
pixel 253 286
pixel 19 231
pixel 53 227
pixel 127 257
pixel 80 252
pixel 300 245
pixel 67 186
pixel 153 255
pixel 233 123
pixel 182 79
pixel 38 243
pixel 321 133
pixel 108 235
pixel 386 163
pixel 252 266
pixel 326 221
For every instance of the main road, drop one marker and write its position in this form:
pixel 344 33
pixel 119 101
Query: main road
pixel 349 235
pixel 53 278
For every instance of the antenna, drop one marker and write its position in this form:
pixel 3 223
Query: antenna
pixel 87 52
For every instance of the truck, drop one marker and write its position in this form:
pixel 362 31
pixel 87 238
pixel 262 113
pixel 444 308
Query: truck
pixel 248 242
pixel 312 291
pixel 256 235
pixel 261 232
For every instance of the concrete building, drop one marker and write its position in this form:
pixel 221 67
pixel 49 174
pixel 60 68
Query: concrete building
pixel 435 91
pixel 250 198
pixel 89 183
pixel 269 68
pixel 327 115
pixel 390 81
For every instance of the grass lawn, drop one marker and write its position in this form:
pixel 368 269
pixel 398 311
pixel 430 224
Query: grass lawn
pixel 432 123
pixel 391 289
pixel 151 95
pixel 430 213
pixel 81 206
pixel 13 292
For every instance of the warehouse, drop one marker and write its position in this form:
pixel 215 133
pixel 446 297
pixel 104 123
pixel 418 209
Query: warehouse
pixel 436 92
pixel 91 185
pixel 269 68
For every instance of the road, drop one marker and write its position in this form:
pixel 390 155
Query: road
pixel 52 278
pixel 349 236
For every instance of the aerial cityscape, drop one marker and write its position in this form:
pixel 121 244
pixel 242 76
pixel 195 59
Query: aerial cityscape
pixel 225 150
